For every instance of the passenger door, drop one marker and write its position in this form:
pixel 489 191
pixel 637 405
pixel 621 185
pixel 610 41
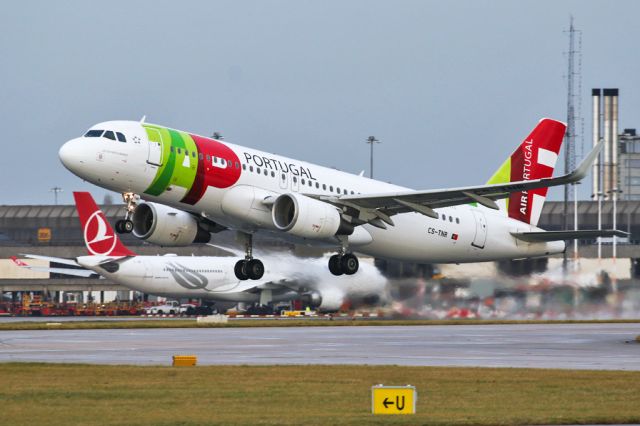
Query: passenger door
pixel 155 148
pixel 481 229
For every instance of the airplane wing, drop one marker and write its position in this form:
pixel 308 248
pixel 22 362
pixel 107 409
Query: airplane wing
pixel 544 236
pixel 64 271
pixel 62 260
pixel 377 209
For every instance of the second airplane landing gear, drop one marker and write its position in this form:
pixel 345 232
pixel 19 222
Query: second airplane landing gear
pixel 249 268
pixel 343 264
pixel 124 226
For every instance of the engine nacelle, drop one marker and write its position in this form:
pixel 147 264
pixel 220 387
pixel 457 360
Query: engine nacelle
pixel 306 217
pixel 327 301
pixel 166 226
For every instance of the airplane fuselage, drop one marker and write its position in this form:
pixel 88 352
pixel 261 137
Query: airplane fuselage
pixel 229 184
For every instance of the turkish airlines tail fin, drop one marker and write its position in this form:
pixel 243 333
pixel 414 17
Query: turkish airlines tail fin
pixel 99 236
pixel 535 158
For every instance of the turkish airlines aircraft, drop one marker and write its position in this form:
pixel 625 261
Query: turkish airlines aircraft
pixel 210 278
pixel 195 185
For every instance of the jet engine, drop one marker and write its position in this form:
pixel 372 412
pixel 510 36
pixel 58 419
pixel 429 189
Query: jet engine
pixel 327 301
pixel 166 226
pixel 306 217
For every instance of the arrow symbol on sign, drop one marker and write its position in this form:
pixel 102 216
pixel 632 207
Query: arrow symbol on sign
pixel 386 403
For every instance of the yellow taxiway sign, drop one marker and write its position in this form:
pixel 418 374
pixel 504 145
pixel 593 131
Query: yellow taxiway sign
pixel 393 399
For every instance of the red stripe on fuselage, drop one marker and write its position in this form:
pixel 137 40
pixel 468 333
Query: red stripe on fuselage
pixel 208 174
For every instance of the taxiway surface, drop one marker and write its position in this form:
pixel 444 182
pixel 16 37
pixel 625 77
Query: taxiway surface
pixel 574 346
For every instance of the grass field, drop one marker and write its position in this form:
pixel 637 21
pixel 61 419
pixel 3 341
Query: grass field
pixel 191 323
pixel 63 394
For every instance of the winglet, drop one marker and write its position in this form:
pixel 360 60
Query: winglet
pixel 585 165
pixel 99 236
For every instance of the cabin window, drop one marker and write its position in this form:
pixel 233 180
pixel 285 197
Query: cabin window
pixel 302 181
pixel 201 156
pixel 93 133
pixel 457 220
pixel 121 137
pixel 179 150
pixel 273 174
pixel 295 179
pixel 331 188
pixel 237 165
pixel 251 168
pixel 109 135
pixel 283 177
pixel 324 186
pixel 215 159
pixel 193 154
pixel 258 170
pixel 450 218
pixel 266 172
pixel 317 185
pixel 171 149
pixel 244 167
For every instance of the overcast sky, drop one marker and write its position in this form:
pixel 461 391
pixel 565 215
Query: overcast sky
pixel 449 87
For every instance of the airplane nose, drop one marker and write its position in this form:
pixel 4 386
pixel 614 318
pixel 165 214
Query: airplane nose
pixel 70 155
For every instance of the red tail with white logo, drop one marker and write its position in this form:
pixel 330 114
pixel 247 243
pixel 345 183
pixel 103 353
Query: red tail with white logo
pixel 99 237
pixel 535 158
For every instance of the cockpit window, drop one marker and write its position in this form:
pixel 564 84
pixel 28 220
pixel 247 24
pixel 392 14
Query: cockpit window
pixel 109 135
pixel 121 137
pixel 93 133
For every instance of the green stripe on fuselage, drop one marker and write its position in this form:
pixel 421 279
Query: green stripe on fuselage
pixel 174 169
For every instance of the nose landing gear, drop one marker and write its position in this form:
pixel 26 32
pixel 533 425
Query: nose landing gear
pixel 249 268
pixel 125 226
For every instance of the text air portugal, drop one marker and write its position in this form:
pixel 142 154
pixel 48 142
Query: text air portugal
pixel 534 159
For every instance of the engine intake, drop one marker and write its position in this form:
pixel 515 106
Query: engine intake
pixel 306 217
pixel 166 226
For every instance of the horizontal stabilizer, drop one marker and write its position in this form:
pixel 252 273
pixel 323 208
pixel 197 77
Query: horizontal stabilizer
pixel 538 237
pixel 62 260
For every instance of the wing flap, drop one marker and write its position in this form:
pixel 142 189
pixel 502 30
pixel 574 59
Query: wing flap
pixel 546 236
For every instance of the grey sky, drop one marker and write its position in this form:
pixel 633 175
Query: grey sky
pixel 450 87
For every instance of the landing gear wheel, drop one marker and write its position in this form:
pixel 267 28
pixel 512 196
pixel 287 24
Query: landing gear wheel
pixel 349 264
pixel 255 269
pixel 334 265
pixel 241 270
pixel 124 226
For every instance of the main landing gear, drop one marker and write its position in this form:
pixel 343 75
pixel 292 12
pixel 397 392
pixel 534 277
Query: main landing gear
pixel 125 226
pixel 249 268
pixel 343 263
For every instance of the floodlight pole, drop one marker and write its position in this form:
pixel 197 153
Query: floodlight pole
pixel 371 140
pixel 56 190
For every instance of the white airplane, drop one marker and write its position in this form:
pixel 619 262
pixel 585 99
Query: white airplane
pixel 210 278
pixel 195 185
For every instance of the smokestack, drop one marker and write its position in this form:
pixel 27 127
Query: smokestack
pixel 597 134
pixel 614 142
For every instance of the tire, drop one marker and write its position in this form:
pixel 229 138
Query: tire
pixel 349 264
pixel 172 312
pixel 127 226
pixel 120 226
pixel 334 265
pixel 159 312
pixel 255 269
pixel 240 270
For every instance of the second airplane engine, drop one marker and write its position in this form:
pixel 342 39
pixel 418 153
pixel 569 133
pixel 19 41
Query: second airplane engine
pixel 328 301
pixel 165 226
pixel 307 217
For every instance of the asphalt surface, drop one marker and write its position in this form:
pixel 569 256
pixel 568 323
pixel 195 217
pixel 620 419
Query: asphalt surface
pixel 567 346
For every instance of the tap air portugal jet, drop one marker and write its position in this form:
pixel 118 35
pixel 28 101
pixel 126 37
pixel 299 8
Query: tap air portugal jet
pixel 210 278
pixel 193 185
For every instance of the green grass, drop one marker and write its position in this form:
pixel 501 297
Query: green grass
pixel 191 323
pixel 64 394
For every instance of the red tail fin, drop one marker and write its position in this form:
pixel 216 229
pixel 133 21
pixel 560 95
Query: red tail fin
pixel 535 158
pixel 99 236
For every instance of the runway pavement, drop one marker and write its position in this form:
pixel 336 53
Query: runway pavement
pixel 572 346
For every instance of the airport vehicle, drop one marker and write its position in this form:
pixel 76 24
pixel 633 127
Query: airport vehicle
pixel 211 278
pixel 194 186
